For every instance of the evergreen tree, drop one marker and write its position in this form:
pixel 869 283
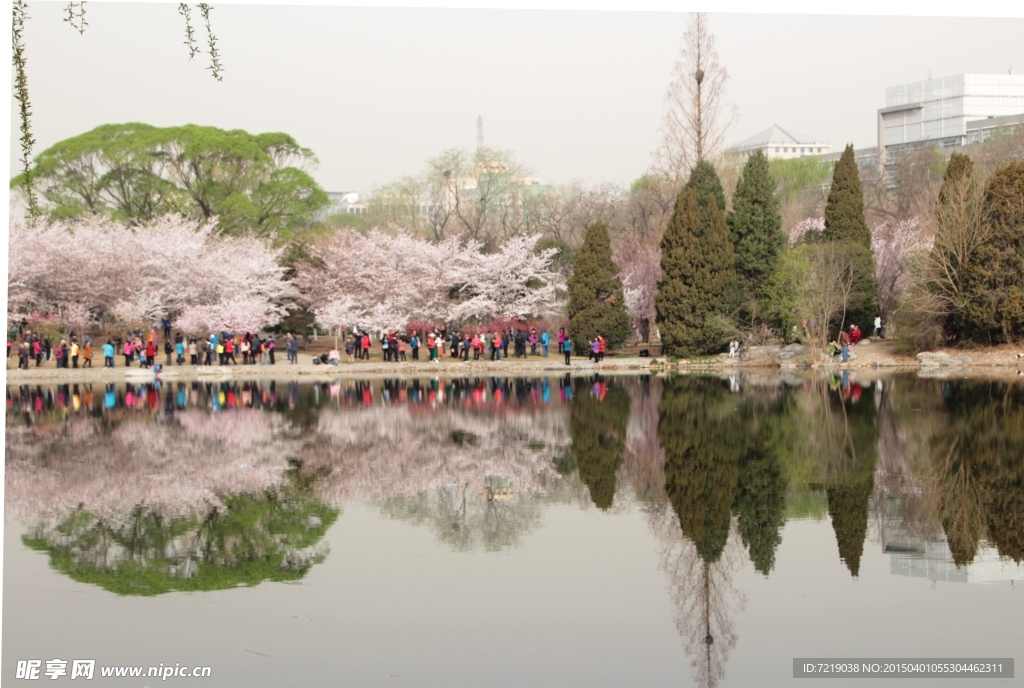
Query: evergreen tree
pixel 996 278
pixel 705 182
pixel 696 292
pixel 844 222
pixel 844 210
pixel 755 227
pixel 598 431
pixel 960 166
pixel 596 301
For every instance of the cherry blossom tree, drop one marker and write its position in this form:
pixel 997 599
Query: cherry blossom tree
pixel 515 282
pixel 97 268
pixel 894 244
pixel 639 259
pixel 378 282
pixel 800 231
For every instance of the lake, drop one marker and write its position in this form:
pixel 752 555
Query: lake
pixel 512 531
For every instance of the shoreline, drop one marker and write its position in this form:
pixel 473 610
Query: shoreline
pixel 879 358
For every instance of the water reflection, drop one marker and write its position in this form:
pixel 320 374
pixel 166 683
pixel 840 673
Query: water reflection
pixel 250 538
pixel 144 489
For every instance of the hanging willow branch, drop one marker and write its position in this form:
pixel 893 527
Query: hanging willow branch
pixel 215 66
pixel 190 35
pixel 77 21
pixel 24 107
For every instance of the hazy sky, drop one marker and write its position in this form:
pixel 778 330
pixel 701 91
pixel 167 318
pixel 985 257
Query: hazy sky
pixel 576 95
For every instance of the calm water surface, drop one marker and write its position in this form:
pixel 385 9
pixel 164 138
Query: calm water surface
pixel 513 532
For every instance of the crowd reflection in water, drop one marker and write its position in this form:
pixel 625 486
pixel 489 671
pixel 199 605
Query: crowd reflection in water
pixel 39 402
pixel 717 466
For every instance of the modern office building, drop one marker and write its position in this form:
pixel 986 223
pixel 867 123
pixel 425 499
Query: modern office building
pixel 939 112
pixel 777 142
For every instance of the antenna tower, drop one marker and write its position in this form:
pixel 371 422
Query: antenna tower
pixel 479 132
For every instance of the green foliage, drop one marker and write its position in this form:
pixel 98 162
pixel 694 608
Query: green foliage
pixel 848 508
pixel 596 301
pixel 565 257
pixel 995 279
pixel 24 106
pixel 755 228
pixel 265 537
pixel 796 175
pixel 705 182
pixel 959 168
pixel 598 429
pixel 845 222
pixel 696 293
pixel 136 172
pixel 844 211
pixel 978 460
pixel 849 440
pixel 702 453
pixel 828 283
pixel 760 504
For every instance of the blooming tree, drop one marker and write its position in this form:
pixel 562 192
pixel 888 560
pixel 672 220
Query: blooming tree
pixel 378 282
pixel 894 243
pixel 811 224
pixel 515 282
pixel 639 260
pixel 99 268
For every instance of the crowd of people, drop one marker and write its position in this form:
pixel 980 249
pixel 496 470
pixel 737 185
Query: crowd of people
pixel 226 348
pixel 143 348
pixel 66 354
pixel 397 347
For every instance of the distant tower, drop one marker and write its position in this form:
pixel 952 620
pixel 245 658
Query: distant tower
pixel 479 132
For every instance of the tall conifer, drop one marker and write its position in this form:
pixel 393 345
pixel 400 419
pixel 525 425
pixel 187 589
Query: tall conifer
pixel 755 227
pixel 845 222
pixel 596 301
pixel 696 293
pixel 844 211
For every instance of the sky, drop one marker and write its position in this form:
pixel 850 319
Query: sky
pixel 576 95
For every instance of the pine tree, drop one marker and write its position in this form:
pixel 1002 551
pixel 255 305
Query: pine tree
pixel 844 211
pixel 696 291
pixel 997 275
pixel 844 221
pixel 960 167
pixel 705 182
pixel 755 227
pixel 596 301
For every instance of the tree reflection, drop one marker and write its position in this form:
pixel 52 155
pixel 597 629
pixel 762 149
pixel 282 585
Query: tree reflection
pixel 250 538
pixel 702 451
pixel 703 446
pixel 467 517
pixel 600 414
pixel 845 435
pixel 702 594
pixel 978 469
pixel 760 503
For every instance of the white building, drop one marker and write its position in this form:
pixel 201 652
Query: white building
pixel 940 111
pixel 777 142
pixel 343 203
